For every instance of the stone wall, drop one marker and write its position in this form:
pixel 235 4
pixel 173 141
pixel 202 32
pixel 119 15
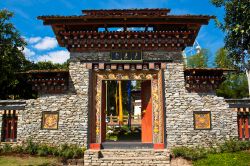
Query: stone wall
pixel 72 108
pixel 180 106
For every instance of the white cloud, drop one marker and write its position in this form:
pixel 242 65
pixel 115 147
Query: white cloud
pixel 55 57
pixel 46 43
pixel 28 52
pixel 33 40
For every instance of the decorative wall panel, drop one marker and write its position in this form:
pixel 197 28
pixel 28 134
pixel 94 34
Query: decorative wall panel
pixel 50 120
pixel 202 120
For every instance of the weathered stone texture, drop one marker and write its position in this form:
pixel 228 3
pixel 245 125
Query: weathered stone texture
pixel 137 157
pixel 179 113
pixel 72 108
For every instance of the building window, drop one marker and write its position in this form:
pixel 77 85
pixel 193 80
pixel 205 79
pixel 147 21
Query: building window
pixel 9 126
pixel 50 120
pixel 202 120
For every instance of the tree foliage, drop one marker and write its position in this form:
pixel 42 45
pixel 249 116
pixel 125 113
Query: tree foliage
pixel 221 59
pixel 46 65
pixel 236 25
pixel 199 60
pixel 13 62
pixel 235 86
pixel 11 58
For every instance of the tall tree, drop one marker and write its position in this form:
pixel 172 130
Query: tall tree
pixel 221 59
pixel 11 58
pixel 199 60
pixel 236 25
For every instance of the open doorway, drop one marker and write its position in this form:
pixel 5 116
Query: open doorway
pixel 126 111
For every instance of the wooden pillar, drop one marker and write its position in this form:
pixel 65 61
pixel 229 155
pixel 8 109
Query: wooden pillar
pixel 240 126
pixel 246 127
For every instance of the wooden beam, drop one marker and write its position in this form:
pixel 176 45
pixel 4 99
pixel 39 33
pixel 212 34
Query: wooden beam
pixel 21 107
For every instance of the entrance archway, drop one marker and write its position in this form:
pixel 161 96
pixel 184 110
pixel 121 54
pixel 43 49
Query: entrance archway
pixel 98 126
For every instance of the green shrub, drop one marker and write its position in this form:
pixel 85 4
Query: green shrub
pixel 234 146
pixel 244 145
pixel 190 153
pixel 7 148
pixel 43 150
pixel 78 152
pixel 31 147
pixel 18 149
pixel 199 153
pixel 212 150
pixel 67 151
pixel 229 146
pixel 54 151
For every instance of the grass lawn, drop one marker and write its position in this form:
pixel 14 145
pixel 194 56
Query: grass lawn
pixel 226 159
pixel 27 160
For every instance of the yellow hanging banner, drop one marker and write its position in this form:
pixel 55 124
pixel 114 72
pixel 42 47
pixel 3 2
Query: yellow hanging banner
pixel 116 100
pixel 120 103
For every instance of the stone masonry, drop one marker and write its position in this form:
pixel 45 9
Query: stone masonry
pixel 134 157
pixel 180 106
pixel 72 108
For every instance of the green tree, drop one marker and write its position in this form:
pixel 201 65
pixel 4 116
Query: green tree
pixel 198 60
pixel 236 25
pixel 11 58
pixel 48 65
pixel 221 59
pixel 235 86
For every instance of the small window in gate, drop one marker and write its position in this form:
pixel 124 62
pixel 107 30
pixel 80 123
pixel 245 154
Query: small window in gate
pixel 9 126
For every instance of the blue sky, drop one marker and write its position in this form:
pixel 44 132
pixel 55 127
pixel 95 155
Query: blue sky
pixel 43 46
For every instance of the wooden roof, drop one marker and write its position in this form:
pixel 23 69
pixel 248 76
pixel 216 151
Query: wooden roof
pixel 82 33
pixel 135 12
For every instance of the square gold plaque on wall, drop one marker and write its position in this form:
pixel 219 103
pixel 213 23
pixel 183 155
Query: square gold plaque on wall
pixel 202 120
pixel 50 120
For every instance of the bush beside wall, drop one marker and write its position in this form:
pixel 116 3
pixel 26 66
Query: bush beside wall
pixel 199 152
